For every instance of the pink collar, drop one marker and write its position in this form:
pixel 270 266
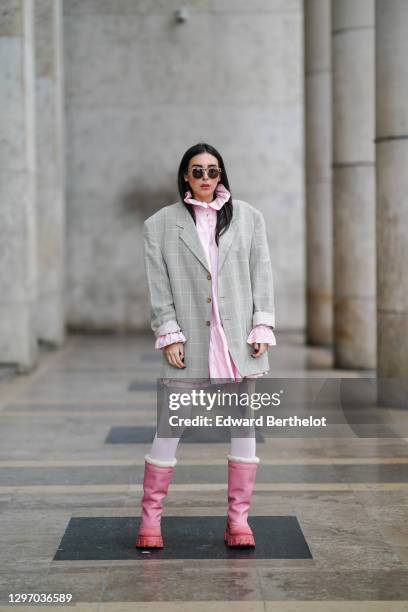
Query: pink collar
pixel 222 196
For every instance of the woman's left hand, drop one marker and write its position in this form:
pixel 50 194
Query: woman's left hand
pixel 259 349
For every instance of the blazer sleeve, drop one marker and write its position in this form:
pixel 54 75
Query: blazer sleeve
pixel 162 311
pixel 261 276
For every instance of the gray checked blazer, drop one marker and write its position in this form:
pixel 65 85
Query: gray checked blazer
pixel 179 281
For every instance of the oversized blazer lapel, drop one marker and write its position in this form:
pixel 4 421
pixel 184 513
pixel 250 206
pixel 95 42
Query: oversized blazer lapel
pixel 190 237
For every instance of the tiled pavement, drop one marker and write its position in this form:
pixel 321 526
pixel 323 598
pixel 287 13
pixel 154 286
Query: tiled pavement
pixel 348 495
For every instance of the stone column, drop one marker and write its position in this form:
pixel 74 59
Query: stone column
pixel 50 171
pixel 392 186
pixel 318 145
pixel 354 184
pixel 18 252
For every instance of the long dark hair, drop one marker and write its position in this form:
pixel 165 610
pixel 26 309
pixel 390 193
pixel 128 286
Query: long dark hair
pixel 224 215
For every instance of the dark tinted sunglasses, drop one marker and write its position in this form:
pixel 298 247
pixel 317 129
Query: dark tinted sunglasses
pixel 212 172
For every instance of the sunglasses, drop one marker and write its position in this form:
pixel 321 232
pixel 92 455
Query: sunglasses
pixel 198 172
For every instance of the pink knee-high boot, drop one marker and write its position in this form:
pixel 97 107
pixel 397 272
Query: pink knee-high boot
pixel 157 477
pixel 241 480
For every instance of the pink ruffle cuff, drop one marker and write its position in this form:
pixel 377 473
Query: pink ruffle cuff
pixel 169 338
pixel 262 333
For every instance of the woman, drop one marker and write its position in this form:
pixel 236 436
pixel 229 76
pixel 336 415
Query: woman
pixel 211 290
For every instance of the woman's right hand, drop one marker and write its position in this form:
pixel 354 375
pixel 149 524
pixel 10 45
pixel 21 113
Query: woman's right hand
pixel 175 354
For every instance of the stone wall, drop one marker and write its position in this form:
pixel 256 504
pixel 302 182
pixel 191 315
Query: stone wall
pixel 140 88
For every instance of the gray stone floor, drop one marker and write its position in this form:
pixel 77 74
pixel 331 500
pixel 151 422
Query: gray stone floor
pixel 349 494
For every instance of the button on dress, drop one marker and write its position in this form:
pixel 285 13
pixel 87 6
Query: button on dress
pixel 220 362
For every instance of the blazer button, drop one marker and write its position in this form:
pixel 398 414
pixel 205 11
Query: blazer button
pixel 209 300
pixel 209 276
pixel 208 322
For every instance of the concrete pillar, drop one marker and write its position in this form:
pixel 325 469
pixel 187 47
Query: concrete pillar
pixel 392 186
pixel 50 171
pixel 18 252
pixel 318 130
pixel 354 184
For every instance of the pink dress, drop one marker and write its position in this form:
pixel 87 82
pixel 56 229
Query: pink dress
pixel 220 362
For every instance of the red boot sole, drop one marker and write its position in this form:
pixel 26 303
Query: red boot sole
pixel 239 539
pixel 149 542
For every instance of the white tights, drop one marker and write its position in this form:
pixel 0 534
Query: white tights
pixel 164 449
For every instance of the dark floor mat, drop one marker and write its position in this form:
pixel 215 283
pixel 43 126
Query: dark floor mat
pixel 191 537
